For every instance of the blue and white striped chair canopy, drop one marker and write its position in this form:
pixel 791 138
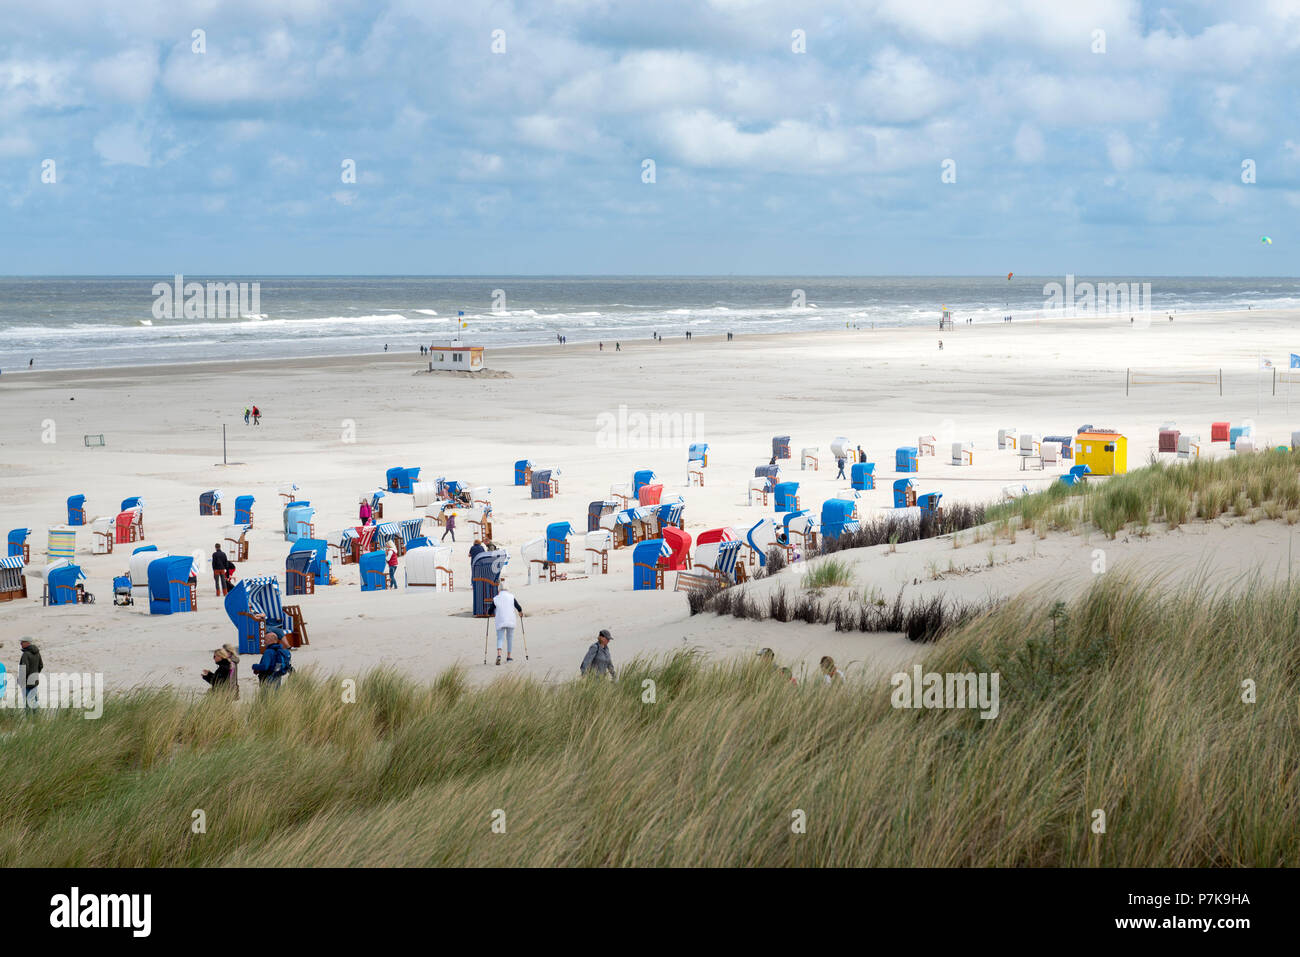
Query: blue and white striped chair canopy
pixel 264 597
pixel 15 561
pixel 411 528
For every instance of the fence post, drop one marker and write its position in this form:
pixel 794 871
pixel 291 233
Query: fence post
pixel 1126 378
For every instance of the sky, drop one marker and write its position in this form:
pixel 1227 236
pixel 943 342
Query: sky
pixel 820 137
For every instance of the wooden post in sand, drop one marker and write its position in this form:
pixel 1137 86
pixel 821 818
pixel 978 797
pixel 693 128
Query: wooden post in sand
pixel 223 444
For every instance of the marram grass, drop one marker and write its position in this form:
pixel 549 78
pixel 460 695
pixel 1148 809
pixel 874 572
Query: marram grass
pixel 1127 701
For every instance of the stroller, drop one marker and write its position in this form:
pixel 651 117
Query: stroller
pixel 122 590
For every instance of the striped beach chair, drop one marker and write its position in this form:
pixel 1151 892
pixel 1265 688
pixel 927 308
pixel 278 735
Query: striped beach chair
pixel 647 564
pixel 13 583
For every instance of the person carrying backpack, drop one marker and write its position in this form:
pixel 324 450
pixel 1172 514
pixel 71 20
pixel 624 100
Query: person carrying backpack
pixel 276 660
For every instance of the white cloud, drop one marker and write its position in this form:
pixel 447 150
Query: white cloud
pixel 1029 144
pixel 1119 151
pixel 128 76
pixel 124 144
pixel 901 89
pixel 701 138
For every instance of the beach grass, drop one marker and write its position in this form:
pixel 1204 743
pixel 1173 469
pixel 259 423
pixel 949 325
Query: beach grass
pixel 1168 492
pixel 1128 701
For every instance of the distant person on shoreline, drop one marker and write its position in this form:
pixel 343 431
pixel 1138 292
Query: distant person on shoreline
pixel 257 416
pixel 617 347
pixel 30 363
pixel 247 414
pixel 602 347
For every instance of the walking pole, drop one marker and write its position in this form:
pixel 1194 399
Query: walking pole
pixel 485 638
pixel 523 632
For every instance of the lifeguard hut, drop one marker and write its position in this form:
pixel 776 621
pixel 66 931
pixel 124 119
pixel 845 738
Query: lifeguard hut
pixel 1104 451
pixel 456 357
pixel 945 319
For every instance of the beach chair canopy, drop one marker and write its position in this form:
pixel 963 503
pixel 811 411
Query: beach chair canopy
pixel 598 510
pixel 557 538
pixel 62 583
pixel 862 475
pixel 486 573
pixel 374 571
pixel 139 563
pixel 769 472
pixel 541 483
pixel 400 477
pixel 838 516
pixel 17 538
pixel 297 570
pixel 800 522
pixel 760 537
pixel 388 530
pixel 841 447
pixel 135 501
pixel 905 458
pixel 645 562
pixel 169 584
pixel 76 509
pixel 679 548
pixel 724 558
pixel 929 501
pixel 781 446
pixel 714 535
pixel 319 564
pixel 298 517
pixel 901 488
pixel 244 508
pixel 642 477
pixel 650 494
pixel 671 513
pixel 698 452
pixel 787 494
pixel 521 471
pixel 424 562
pixel 250 597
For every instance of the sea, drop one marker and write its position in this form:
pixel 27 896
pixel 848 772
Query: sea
pixel 93 322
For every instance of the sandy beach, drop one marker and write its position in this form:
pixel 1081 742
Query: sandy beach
pixel 333 426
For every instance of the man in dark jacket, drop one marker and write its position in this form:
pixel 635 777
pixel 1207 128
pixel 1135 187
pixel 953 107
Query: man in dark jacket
pixel 219 565
pixel 598 660
pixel 30 666
pixel 475 550
pixel 276 660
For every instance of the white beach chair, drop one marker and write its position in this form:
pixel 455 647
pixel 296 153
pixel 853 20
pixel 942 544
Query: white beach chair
pixel 599 544
pixel 622 493
pixel 1006 438
pixel 808 459
pixel 102 534
pixel 1051 454
pixel 760 487
pixel 1189 445
pixel 424 494
pixel 925 445
pixel 534 553
pixel 963 453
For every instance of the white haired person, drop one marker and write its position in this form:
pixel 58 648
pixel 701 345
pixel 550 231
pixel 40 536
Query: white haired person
pixel 503 608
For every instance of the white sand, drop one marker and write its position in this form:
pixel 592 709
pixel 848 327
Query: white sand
pixel 880 388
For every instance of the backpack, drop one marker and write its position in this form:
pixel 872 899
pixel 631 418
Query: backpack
pixel 283 661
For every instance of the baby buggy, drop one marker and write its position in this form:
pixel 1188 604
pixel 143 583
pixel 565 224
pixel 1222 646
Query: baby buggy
pixel 122 590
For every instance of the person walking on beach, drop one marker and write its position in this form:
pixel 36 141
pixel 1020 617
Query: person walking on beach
pixel 30 666
pixel 247 412
pixel 257 416
pixel 503 608
pixel 617 347
pixel 364 512
pixel 220 563
pixel 598 660
pixel 862 456
pixel 276 659
pixel 226 677
pixel 450 529
pixel 831 675
pixel 840 462
pixel 391 560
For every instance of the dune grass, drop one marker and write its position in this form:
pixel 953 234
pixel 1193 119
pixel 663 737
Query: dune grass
pixel 1167 492
pixel 827 573
pixel 1128 700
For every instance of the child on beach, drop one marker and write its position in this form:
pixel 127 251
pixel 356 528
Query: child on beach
pixel 830 674
pixel 451 527
pixel 247 413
